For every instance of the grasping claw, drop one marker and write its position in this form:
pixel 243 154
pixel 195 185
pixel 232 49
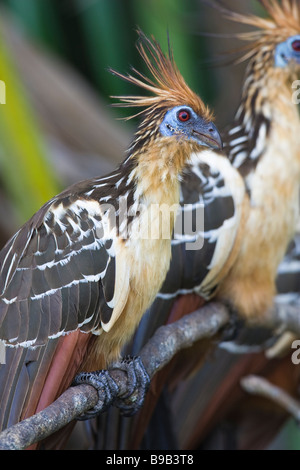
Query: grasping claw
pixel 108 391
pixel 236 323
pixel 106 387
pixel 138 384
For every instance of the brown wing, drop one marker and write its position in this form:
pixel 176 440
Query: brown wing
pixel 57 284
pixel 57 275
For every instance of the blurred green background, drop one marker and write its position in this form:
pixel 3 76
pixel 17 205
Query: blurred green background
pixel 54 52
pixel 57 126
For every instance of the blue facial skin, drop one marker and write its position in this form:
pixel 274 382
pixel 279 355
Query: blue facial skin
pixel 195 128
pixel 285 53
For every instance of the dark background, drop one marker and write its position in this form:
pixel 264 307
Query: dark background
pixel 57 126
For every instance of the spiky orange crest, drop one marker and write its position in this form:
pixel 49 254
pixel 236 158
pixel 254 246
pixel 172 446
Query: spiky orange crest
pixel 282 22
pixel 167 86
pixel 284 17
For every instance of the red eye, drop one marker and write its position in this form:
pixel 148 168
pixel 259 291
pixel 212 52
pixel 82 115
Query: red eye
pixel 296 45
pixel 184 115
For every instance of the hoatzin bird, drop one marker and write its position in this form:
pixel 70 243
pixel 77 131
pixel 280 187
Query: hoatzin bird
pixel 250 203
pixel 77 277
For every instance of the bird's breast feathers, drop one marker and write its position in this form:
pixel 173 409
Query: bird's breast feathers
pixel 71 264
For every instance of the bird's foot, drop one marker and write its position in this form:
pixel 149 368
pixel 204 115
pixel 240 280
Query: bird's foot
pixel 106 387
pixel 236 323
pixel 108 390
pixel 138 385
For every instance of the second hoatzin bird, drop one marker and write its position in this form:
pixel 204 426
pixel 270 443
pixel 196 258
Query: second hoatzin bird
pixel 246 232
pixel 250 199
pixel 77 277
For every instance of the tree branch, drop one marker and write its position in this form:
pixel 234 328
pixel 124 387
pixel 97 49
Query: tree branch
pixel 259 386
pixel 159 350
pixel 287 316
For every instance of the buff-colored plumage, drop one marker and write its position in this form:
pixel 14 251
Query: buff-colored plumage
pixel 160 160
pixel 273 181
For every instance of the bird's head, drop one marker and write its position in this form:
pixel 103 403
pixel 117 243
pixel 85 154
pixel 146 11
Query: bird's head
pixel 276 38
pixel 288 52
pixel 173 114
pixel 184 123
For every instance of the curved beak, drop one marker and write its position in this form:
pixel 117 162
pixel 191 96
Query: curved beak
pixel 208 135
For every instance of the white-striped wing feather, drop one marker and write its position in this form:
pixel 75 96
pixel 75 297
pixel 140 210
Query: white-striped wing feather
pixel 57 274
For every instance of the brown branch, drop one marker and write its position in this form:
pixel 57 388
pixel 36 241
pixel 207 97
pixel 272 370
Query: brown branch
pixel 259 386
pixel 287 316
pixel 170 339
pixel 165 343
pixel 70 404
pixel 159 350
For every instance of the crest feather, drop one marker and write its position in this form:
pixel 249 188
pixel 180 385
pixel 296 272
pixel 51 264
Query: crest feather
pixel 284 17
pixel 283 21
pixel 166 84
